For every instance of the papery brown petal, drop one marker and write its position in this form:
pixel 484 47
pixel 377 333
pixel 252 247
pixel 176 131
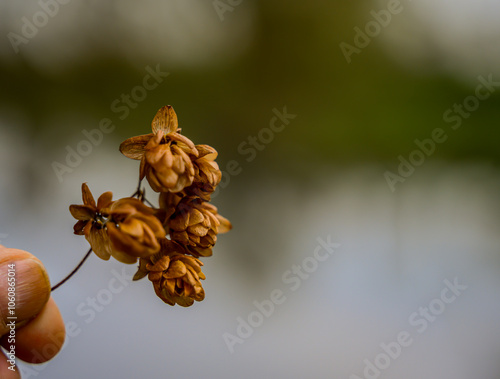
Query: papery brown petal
pixel 191 261
pixel 188 290
pixel 142 270
pixel 195 217
pixel 171 247
pixel 199 252
pixel 193 239
pixel 82 212
pixel 185 157
pixel 207 152
pixel 123 257
pixel 99 241
pixel 130 206
pixel 214 221
pixel 124 243
pixel 170 285
pixel 139 275
pixel 184 143
pixel 206 222
pixel 104 200
pixel 224 226
pixel 181 220
pixel 178 165
pixel 169 179
pixel 165 120
pixel 181 237
pixel 78 228
pixel 155 275
pixel 175 270
pixel 153 181
pixel 161 265
pixel 185 301
pixel 134 147
pixel 190 278
pixel 142 168
pixel 132 227
pixel 87 197
pixel 197 230
pixel 87 229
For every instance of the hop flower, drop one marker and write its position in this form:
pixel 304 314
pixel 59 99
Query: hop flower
pixel 194 224
pixel 164 154
pixel 134 229
pixel 175 276
pixel 91 223
pixel 207 174
pixel 125 229
pixel 166 163
pixel 169 240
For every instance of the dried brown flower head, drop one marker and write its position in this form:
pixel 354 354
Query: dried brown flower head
pixel 134 229
pixel 125 229
pixel 207 174
pixel 169 240
pixel 166 163
pixel 195 224
pixel 175 276
pixel 164 154
pixel 91 222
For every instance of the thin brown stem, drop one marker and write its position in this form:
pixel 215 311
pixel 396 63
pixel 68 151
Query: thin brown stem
pixel 72 272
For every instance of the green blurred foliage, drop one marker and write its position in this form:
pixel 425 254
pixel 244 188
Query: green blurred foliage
pixel 369 110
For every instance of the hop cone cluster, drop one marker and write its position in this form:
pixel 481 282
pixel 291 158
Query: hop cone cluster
pixel 166 241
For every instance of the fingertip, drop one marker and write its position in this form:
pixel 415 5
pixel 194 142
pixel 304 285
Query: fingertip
pixel 25 276
pixel 43 337
pixel 7 371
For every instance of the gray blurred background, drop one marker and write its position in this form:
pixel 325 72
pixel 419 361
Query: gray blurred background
pixel 412 69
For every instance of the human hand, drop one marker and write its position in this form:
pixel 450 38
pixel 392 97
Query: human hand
pixel 40 331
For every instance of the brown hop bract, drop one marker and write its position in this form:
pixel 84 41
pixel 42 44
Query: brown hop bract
pixel 207 174
pixel 195 224
pixel 175 276
pixel 164 154
pixel 134 229
pixel 91 221
pixel 125 229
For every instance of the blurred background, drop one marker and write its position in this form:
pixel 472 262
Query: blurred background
pixel 359 83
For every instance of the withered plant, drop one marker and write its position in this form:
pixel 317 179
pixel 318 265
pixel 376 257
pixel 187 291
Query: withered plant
pixel 167 241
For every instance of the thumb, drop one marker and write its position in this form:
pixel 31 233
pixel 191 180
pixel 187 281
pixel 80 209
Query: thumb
pixel 31 287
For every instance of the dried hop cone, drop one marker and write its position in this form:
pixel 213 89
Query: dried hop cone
pixel 134 228
pixel 165 154
pixel 175 276
pixel 194 223
pixel 125 229
pixel 207 174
